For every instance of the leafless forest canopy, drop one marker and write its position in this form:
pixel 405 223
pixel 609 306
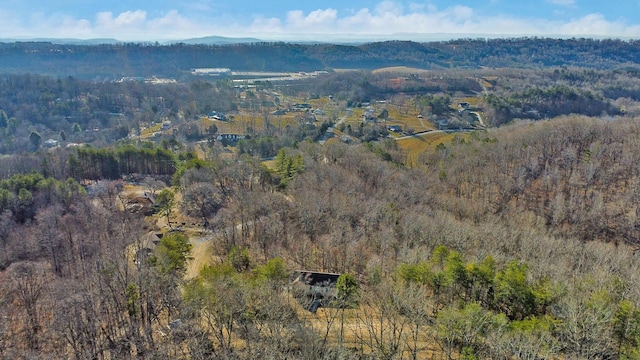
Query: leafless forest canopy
pixel 514 236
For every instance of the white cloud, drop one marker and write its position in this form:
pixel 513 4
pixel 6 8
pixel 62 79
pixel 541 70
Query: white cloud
pixel 416 7
pixel 262 25
pixel 389 8
pixel 562 2
pixel 171 19
pixel 137 25
pixel 52 25
pixel 462 12
pixel 597 24
pixel 127 18
pixel 386 18
pixel 316 20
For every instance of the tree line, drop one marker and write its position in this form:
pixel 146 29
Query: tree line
pixel 176 60
pixel 105 163
pixel 539 103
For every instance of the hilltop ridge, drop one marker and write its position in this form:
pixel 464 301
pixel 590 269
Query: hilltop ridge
pixel 116 60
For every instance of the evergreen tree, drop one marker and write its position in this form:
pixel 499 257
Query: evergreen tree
pixel 35 139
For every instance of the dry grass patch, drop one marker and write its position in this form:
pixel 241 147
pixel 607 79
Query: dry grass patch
pixel 409 120
pixel 201 254
pixel 321 102
pixel 401 70
pixel 270 164
pixel 418 144
pixel 363 330
pixel 472 101
pixel 149 131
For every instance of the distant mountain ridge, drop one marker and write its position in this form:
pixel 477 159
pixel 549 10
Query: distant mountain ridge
pixel 207 40
pixel 66 41
pixel 215 40
pixel 342 39
pixel 109 59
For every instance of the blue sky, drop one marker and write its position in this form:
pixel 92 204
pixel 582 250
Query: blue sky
pixel 151 20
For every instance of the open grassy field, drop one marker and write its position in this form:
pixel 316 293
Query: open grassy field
pixel 408 119
pixel 473 101
pixel 363 328
pixel 245 119
pixel 149 131
pixel 418 144
pixel 400 70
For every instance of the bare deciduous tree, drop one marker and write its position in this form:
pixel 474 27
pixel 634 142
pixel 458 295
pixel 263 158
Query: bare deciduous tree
pixel 29 284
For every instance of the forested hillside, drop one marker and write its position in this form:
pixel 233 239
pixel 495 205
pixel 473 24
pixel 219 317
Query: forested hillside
pixel 576 174
pixel 511 241
pixel 465 213
pixel 113 61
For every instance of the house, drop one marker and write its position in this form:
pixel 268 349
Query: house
pixel 51 143
pixel 369 114
pixel 301 107
pixel 214 115
pixel 346 139
pixel 442 123
pixel 144 248
pixel 310 288
pixel 395 128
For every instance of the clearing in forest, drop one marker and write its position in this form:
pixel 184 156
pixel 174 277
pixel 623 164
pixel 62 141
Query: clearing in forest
pixel 418 144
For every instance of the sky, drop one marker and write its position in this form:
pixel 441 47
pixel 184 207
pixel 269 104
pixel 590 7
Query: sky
pixel 163 20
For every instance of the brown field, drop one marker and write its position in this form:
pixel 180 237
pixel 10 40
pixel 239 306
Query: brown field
pixel 355 117
pixel 472 100
pixel 270 164
pixel 408 120
pixel 489 81
pixel 360 325
pixel 400 70
pixel 202 256
pixel 148 132
pixel 420 143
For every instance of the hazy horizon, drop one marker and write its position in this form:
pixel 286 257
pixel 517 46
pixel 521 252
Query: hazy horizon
pixel 330 20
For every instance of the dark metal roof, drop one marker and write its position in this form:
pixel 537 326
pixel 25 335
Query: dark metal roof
pixel 315 277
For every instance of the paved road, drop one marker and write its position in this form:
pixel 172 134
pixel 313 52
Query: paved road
pixel 418 134
pixel 479 118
